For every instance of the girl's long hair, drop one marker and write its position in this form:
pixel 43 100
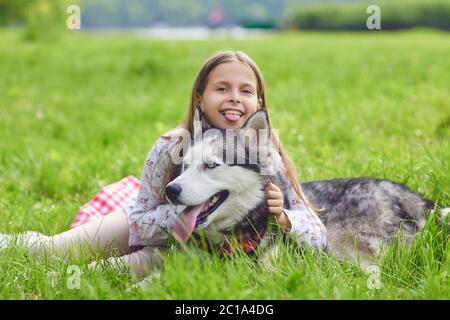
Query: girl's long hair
pixel 199 88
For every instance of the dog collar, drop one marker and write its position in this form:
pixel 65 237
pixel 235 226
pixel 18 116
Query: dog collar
pixel 248 244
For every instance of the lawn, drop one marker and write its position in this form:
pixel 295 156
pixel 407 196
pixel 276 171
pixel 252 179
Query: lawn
pixel 82 110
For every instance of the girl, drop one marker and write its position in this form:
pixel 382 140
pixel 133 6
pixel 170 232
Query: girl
pixel 228 89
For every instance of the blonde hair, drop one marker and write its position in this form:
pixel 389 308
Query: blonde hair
pixel 199 88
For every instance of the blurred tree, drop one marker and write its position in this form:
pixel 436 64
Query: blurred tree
pixel 24 12
pixel 12 11
pixel 39 18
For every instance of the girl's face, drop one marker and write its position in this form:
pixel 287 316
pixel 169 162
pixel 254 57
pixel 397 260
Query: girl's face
pixel 230 96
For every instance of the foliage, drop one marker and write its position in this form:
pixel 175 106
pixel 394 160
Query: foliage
pixel 352 16
pixel 38 18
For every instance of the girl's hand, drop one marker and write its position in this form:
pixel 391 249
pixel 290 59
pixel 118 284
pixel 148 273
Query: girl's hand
pixel 275 203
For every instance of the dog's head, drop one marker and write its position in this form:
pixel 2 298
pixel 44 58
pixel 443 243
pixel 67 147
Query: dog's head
pixel 223 176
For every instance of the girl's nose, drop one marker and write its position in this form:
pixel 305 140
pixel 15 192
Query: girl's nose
pixel 234 96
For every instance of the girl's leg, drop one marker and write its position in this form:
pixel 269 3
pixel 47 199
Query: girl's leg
pixel 107 235
pixel 140 262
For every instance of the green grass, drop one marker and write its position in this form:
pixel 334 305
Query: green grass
pixel 82 110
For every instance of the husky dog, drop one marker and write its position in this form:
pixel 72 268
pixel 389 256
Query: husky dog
pixel 226 198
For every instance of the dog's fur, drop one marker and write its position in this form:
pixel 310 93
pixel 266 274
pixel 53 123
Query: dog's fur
pixel 360 214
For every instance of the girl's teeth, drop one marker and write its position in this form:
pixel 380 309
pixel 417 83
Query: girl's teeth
pixel 232 112
pixel 214 199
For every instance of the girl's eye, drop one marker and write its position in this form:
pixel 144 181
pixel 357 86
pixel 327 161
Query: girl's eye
pixel 211 165
pixel 247 91
pixel 221 89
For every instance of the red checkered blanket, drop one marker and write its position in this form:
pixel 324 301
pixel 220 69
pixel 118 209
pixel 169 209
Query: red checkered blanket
pixel 110 198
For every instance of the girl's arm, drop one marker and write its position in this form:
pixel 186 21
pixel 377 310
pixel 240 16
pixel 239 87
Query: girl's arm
pixel 292 216
pixel 306 226
pixel 150 217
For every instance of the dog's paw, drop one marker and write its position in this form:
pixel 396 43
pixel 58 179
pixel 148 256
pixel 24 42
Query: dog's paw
pixel 444 213
pixel 5 241
pixel 144 282
pixel 270 256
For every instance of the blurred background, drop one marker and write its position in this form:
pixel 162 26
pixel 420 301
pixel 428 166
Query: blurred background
pixel 197 15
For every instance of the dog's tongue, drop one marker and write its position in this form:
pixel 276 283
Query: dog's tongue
pixel 185 224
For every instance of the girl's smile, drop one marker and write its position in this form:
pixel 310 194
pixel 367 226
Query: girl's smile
pixel 230 95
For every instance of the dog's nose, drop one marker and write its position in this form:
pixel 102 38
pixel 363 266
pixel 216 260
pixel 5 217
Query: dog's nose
pixel 173 191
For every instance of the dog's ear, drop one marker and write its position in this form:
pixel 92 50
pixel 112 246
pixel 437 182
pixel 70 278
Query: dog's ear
pixel 200 123
pixel 256 136
pixel 197 122
pixel 205 123
pixel 258 123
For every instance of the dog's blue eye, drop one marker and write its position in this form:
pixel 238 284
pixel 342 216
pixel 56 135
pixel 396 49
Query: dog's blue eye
pixel 211 165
